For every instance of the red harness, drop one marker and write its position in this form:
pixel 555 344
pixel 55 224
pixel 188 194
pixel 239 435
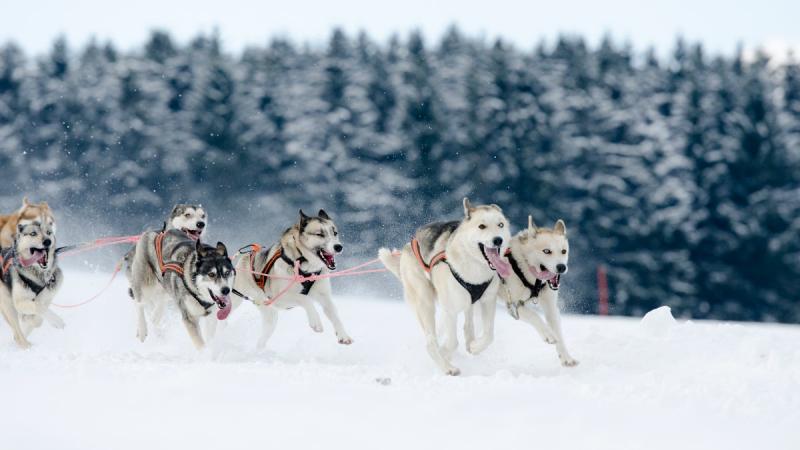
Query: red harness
pixel 260 276
pixel 165 266
pixel 437 258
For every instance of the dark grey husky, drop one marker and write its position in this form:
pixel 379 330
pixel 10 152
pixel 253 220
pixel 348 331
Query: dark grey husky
pixel 171 265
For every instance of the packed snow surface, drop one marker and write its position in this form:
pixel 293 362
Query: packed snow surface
pixel 655 383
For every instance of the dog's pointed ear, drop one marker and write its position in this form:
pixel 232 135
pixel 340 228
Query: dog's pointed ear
pixel 497 207
pixel 201 249
pixel 323 215
pixel 177 210
pixel 467 207
pixel 561 227
pixel 303 220
pixel 25 201
pixel 221 250
pixel 531 226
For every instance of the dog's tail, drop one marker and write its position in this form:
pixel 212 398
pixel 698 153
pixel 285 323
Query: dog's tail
pixel 391 260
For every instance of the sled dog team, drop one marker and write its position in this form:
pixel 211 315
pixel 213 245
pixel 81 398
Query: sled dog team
pixel 462 267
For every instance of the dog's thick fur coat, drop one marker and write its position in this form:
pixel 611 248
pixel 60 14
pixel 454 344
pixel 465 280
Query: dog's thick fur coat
pixel 473 247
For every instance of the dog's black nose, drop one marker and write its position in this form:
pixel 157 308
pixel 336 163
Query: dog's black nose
pixel 338 248
pixel 225 290
pixel 201 225
pixel 47 242
pixel 561 268
pixel 497 241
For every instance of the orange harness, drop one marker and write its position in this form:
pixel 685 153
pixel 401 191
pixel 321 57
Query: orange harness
pixel 437 258
pixel 260 276
pixel 165 266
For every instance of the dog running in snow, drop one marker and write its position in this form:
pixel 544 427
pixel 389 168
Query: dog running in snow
pixel 30 274
pixel 312 243
pixel 172 265
pixel 454 264
pixel 192 221
pixel 538 258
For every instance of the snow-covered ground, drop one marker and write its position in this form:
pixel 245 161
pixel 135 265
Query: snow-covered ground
pixel 642 384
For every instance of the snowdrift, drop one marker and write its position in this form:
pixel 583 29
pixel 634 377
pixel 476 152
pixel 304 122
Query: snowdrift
pixel 654 383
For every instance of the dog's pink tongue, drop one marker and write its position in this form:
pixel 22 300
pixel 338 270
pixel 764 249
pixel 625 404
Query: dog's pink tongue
pixel 502 267
pixel 546 275
pixel 222 314
pixel 36 257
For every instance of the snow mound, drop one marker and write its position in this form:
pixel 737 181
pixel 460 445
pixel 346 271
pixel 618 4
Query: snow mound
pixel 659 321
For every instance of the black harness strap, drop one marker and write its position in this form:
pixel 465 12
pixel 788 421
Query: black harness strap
pixel 308 284
pixel 475 290
pixel 534 288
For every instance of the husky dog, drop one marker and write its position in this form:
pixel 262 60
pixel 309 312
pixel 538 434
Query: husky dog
pixel 312 243
pixel 471 251
pixel 30 277
pixel 538 257
pixel 28 212
pixel 195 275
pixel 191 220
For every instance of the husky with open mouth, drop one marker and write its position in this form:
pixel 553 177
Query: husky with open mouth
pixel 30 278
pixel 454 264
pixel 312 243
pixel 189 219
pixel 171 265
pixel 538 257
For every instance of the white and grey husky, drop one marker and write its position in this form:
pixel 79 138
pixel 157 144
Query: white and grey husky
pixel 453 264
pixel 538 258
pixel 312 243
pixel 30 278
pixel 171 265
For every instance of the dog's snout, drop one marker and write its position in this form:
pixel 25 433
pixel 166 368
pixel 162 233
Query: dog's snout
pixel 225 290
pixel 47 242
pixel 497 241
pixel 561 268
pixel 338 248
pixel 201 225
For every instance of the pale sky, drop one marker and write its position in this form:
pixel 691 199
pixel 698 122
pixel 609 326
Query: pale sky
pixel 719 24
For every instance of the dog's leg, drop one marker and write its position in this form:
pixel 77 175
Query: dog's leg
pixel 324 299
pixel 469 326
pixel 211 326
pixel 194 331
pixel 10 314
pixel 532 317
pixel 269 319
pixel 449 324
pixel 29 323
pixel 421 299
pixel 141 322
pixel 550 306
pixel 488 309
pixel 305 302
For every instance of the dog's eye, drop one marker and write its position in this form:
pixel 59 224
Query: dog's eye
pixel 563 252
pixel 187 215
pixel 501 224
pixel 33 234
pixel 335 233
pixel 321 235
pixel 482 226
pixel 547 251
pixel 212 275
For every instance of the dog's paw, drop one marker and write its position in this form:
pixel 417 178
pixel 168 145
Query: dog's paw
pixel 317 327
pixel 549 338
pixel 22 342
pixel 453 371
pixel 477 346
pixel 345 340
pixel 56 322
pixel 141 335
pixel 568 361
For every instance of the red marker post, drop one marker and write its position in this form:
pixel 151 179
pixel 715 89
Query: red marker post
pixel 602 290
